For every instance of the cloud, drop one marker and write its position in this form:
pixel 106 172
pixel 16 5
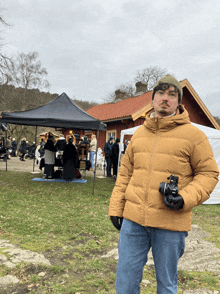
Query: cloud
pixel 90 46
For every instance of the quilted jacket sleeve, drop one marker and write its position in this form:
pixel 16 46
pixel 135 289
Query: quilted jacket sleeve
pixel 205 176
pixel 117 200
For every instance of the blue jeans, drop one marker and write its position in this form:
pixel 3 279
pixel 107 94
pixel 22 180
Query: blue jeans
pixel 134 244
pixel 91 158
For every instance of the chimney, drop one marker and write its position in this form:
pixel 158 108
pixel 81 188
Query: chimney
pixel 141 87
pixel 119 95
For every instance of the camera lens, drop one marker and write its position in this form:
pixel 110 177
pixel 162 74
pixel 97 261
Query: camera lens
pixel 162 188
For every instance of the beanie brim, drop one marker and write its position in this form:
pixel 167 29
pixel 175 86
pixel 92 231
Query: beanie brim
pixel 168 79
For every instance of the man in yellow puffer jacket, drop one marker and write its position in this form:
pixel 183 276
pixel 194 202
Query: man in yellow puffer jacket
pixel 167 144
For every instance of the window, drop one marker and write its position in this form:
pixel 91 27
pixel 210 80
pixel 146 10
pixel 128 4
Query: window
pixel 111 133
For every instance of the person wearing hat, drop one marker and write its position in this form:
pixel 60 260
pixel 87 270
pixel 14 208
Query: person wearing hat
pixel 108 154
pixel 50 151
pixel 114 158
pixel 92 150
pixel 148 213
pixel 14 147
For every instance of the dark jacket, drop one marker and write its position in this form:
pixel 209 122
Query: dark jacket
pixel 70 153
pixel 49 145
pixel 23 148
pixel 14 145
pixel 115 152
pixel 69 159
pixel 108 148
pixel 60 144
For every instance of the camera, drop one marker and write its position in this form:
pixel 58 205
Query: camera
pixel 169 188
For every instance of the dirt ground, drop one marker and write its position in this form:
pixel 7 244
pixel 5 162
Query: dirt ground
pixel 15 164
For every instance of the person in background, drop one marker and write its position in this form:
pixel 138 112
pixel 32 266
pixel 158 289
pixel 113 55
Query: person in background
pixel 8 146
pixel 28 146
pixel 92 150
pixel 108 154
pixel 61 143
pixel 23 149
pixel 14 148
pixel 85 140
pixel 114 158
pixel 125 146
pixel 42 143
pixel 149 210
pixel 33 149
pixel 70 159
pixel 49 157
pixel 1 141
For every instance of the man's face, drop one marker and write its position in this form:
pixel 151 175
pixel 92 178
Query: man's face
pixel 165 102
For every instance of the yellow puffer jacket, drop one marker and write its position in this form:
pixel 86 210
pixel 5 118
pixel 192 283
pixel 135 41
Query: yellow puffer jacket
pixel 159 148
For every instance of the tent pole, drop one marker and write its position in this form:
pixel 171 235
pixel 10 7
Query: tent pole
pixel 36 145
pixel 95 160
pixel 6 161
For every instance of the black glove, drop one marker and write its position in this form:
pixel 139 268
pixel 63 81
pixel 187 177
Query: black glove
pixel 117 221
pixel 173 202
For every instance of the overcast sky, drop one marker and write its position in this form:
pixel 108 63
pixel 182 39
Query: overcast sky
pixel 91 46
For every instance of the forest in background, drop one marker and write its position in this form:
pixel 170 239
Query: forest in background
pixel 13 99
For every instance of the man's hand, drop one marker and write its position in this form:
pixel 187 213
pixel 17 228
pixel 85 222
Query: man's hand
pixel 173 202
pixel 117 222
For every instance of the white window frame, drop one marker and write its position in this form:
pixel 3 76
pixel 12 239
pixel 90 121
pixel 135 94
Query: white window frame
pixel 111 133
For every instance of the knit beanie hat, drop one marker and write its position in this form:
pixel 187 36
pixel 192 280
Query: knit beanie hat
pixel 168 79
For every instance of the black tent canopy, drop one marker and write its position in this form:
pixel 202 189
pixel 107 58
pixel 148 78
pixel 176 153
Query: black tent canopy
pixel 61 112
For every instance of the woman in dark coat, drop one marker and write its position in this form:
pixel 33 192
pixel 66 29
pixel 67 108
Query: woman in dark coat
pixel 23 149
pixel 14 148
pixel 114 157
pixel 69 160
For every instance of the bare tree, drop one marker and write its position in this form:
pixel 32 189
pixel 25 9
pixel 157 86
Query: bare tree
pixel 3 59
pixel 150 76
pixel 127 88
pixel 25 71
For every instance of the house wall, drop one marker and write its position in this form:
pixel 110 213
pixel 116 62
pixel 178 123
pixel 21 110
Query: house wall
pixel 118 126
pixel 196 114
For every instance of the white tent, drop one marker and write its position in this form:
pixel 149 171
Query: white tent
pixel 214 138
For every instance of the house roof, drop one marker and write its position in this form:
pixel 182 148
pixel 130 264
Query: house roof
pixel 135 107
pixel 121 109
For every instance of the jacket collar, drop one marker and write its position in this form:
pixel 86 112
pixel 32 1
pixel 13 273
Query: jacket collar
pixel 167 123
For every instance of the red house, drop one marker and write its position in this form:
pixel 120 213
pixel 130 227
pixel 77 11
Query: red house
pixel 130 112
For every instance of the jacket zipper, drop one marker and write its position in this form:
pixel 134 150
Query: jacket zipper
pixel 152 157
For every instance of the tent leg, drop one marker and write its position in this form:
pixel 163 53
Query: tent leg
pixel 6 158
pixel 36 145
pixel 95 161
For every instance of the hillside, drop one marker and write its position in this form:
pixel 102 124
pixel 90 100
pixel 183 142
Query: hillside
pixel 17 99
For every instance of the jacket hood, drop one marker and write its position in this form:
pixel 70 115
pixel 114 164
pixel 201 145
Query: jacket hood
pixel 168 122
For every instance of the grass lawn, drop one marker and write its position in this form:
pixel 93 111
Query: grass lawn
pixel 71 227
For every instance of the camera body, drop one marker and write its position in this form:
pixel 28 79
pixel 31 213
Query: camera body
pixel 171 188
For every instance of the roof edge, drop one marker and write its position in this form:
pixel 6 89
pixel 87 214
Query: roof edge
pixel 186 83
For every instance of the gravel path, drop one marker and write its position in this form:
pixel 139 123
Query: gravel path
pixel 14 164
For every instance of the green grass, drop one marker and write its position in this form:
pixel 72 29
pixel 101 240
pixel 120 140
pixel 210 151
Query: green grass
pixel 42 215
pixel 71 226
